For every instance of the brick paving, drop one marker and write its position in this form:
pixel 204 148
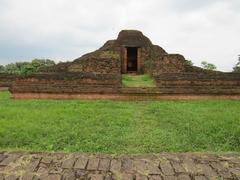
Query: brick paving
pixel 66 166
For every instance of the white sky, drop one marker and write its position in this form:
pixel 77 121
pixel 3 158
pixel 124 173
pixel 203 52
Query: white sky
pixel 203 30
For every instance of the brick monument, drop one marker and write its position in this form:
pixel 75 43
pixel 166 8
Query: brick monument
pixel 97 75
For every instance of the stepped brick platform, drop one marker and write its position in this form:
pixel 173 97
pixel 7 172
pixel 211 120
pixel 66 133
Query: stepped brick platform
pixel 62 166
pixel 97 75
pixel 109 86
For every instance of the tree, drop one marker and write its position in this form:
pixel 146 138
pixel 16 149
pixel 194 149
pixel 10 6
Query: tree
pixel 24 68
pixel 236 68
pixel 27 68
pixel 189 62
pixel 2 69
pixel 208 66
pixel 12 69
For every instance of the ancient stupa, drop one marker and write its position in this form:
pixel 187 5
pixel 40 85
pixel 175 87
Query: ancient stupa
pixel 97 75
pixel 130 52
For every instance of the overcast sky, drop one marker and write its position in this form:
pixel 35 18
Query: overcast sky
pixel 66 29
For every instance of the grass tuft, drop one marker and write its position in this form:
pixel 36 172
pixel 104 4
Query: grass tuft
pixel 145 80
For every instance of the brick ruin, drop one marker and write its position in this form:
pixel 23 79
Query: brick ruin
pixel 6 80
pixel 97 75
pixel 130 52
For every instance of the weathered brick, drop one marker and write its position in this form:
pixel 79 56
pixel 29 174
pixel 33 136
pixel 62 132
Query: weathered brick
pixel 183 177
pixel 153 168
pixel 81 163
pixel 170 178
pixel 42 170
pixel 104 164
pixel 235 172
pixel 222 171
pixel 2 157
pixel 190 166
pixel 97 177
pixel 141 177
pixel 46 160
pixel 28 176
pixel 55 170
pixel 9 159
pixel 178 167
pixel 155 177
pixel 170 157
pixel 32 166
pixel 1 176
pixel 81 174
pixel 108 177
pixel 127 165
pixel 166 168
pixel 53 177
pixel 115 165
pixel 200 178
pixel 217 166
pixel 140 166
pixel 206 170
pixel 43 165
pixel 68 163
pixel 124 176
pixel 93 164
pixel 70 175
pixel 11 177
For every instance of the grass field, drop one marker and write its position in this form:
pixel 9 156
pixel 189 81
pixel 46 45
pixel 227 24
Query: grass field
pixel 119 127
pixel 138 80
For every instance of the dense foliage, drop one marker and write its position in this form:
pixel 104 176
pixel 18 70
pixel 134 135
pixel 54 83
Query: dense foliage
pixel 24 68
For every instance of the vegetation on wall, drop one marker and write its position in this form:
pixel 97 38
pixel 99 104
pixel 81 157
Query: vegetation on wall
pixel 189 62
pixel 108 54
pixel 208 66
pixel 24 68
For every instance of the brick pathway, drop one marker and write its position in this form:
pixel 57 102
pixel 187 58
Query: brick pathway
pixel 61 166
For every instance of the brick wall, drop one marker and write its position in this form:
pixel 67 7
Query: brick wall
pixel 97 65
pixel 67 83
pixel 199 83
pixel 169 63
pixel 6 80
pixel 90 84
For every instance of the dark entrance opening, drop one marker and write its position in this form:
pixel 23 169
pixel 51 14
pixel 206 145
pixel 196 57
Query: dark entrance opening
pixel 132 59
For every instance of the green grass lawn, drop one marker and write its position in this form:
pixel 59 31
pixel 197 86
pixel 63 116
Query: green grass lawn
pixel 119 127
pixel 138 80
